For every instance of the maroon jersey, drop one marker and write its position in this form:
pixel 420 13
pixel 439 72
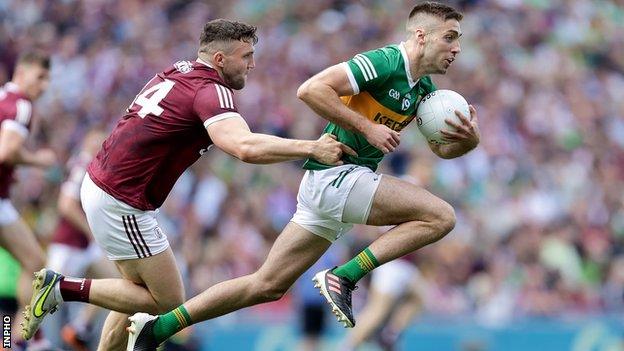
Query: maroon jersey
pixel 66 233
pixel 15 113
pixel 162 134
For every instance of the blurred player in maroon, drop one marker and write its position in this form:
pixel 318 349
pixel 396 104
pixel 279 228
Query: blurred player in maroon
pixel 176 117
pixel 72 250
pixel 29 81
pixel 394 298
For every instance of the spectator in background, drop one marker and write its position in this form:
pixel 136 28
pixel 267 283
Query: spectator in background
pixel 29 82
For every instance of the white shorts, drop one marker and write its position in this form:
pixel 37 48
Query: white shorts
pixel 394 278
pixel 70 260
pixel 8 214
pixel 122 231
pixel 330 201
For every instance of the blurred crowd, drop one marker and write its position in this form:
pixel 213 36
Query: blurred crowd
pixel 540 203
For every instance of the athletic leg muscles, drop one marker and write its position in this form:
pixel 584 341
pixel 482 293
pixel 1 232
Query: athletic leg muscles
pixel 161 291
pixel 160 276
pixel 294 251
pixel 420 218
pixel 150 284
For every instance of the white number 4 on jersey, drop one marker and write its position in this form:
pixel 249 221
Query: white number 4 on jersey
pixel 149 105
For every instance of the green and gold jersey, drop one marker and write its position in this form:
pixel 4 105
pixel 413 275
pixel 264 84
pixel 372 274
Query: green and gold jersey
pixel 385 93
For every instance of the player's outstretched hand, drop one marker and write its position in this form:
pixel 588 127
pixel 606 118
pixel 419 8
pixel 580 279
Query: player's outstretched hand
pixel 329 151
pixel 467 132
pixel 382 137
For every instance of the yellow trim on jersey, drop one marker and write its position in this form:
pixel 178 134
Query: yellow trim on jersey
pixel 366 105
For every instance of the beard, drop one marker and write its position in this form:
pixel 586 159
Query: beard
pixel 235 81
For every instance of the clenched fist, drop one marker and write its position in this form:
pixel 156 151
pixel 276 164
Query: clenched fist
pixel 329 151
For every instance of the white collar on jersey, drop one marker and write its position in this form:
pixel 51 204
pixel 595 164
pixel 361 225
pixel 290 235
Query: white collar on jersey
pixel 204 62
pixel 410 80
pixel 12 87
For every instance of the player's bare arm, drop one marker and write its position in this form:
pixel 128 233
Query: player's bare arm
pixel 465 137
pixel 13 152
pixel 233 136
pixel 322 93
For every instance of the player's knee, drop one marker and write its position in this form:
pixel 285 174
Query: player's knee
pixel 273 293
pixel 269 290
pixel 444 219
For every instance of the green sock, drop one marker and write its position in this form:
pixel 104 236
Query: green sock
pixel 170 323
pixel 358 267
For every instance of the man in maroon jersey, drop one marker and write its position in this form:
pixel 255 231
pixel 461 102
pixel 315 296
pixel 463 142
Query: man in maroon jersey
pixel 176 117
pixel 29 81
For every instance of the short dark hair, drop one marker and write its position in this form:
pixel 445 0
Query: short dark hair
pixel 34 57
pixel 224 30
pixel 437 9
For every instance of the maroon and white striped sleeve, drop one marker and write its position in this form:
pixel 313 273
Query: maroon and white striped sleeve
pixel 215 102
pixel 20 123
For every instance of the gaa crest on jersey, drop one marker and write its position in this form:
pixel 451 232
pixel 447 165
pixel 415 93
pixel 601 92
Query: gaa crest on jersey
pixel 394 94
pixel 183 66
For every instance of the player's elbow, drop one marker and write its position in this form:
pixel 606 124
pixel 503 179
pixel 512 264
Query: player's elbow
pixel 240 145
pixel 304 92
pixel 436 150
pixel 444 155
pixel 247 152
pixel 441 152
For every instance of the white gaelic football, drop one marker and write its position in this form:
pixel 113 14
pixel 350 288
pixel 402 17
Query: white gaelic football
pixel 435 108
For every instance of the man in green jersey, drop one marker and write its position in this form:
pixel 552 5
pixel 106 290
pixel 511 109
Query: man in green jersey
pixel 368 101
